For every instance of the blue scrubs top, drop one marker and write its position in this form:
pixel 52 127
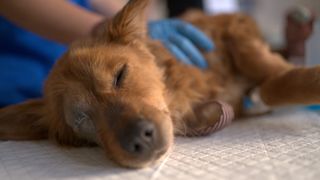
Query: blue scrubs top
pixel 25 61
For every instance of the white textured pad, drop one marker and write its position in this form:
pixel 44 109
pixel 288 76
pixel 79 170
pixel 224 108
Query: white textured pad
pixel 284 145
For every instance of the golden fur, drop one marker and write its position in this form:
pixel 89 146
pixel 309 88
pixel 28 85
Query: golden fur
pixel 157 87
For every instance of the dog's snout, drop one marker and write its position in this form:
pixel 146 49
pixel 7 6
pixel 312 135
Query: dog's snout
pixel 140 138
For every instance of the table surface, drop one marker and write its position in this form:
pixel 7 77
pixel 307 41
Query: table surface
pixel 281 145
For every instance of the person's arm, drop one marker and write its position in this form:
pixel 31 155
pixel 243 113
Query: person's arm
pixel 58 20
pixel 107 7
pixel 110 7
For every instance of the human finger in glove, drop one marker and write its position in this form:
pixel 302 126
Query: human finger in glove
pixel 182 39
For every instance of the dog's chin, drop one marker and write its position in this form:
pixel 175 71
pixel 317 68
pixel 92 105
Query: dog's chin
pixel 138 164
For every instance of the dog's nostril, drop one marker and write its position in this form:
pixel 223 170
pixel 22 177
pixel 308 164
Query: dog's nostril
pixel 148 133
pixel 137 148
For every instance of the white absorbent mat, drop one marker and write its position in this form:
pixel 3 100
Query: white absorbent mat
pixel 282 145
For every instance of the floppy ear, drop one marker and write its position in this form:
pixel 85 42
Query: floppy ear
pixel 127 25
pixel 23 121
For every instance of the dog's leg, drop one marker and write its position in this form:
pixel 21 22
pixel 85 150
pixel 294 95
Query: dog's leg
pixel 23 121
pixel 280 82
pixel 251 56
pixel 206 117
pixel 297 86
pixel 256 62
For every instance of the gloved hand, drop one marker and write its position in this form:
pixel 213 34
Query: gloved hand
pixel 181 39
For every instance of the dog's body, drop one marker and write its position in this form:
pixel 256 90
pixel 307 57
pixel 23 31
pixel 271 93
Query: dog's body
pixel 126 93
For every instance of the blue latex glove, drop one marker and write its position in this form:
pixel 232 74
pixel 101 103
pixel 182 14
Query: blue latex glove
pixel 182 39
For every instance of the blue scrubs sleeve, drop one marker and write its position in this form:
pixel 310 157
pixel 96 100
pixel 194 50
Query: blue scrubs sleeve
pixel 25 61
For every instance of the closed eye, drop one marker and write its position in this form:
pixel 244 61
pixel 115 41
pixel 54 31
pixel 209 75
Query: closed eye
pixel 120 76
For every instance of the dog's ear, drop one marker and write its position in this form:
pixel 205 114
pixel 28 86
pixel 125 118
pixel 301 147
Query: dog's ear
pixel 127 25
pixel 23 121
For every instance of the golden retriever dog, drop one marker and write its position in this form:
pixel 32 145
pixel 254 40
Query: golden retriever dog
pixel 124 92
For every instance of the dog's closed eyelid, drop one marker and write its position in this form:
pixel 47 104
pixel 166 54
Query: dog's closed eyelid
pixel 120 75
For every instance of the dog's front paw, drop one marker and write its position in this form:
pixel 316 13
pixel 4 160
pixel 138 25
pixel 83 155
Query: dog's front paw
pixel 210 117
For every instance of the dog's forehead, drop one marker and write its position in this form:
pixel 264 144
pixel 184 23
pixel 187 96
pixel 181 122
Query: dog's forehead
pixel 105 53
pixel 96 67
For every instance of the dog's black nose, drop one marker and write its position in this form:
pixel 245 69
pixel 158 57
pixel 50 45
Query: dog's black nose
pixel 139 138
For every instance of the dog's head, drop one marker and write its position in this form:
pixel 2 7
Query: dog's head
pixel 107 89
pixel 110 91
